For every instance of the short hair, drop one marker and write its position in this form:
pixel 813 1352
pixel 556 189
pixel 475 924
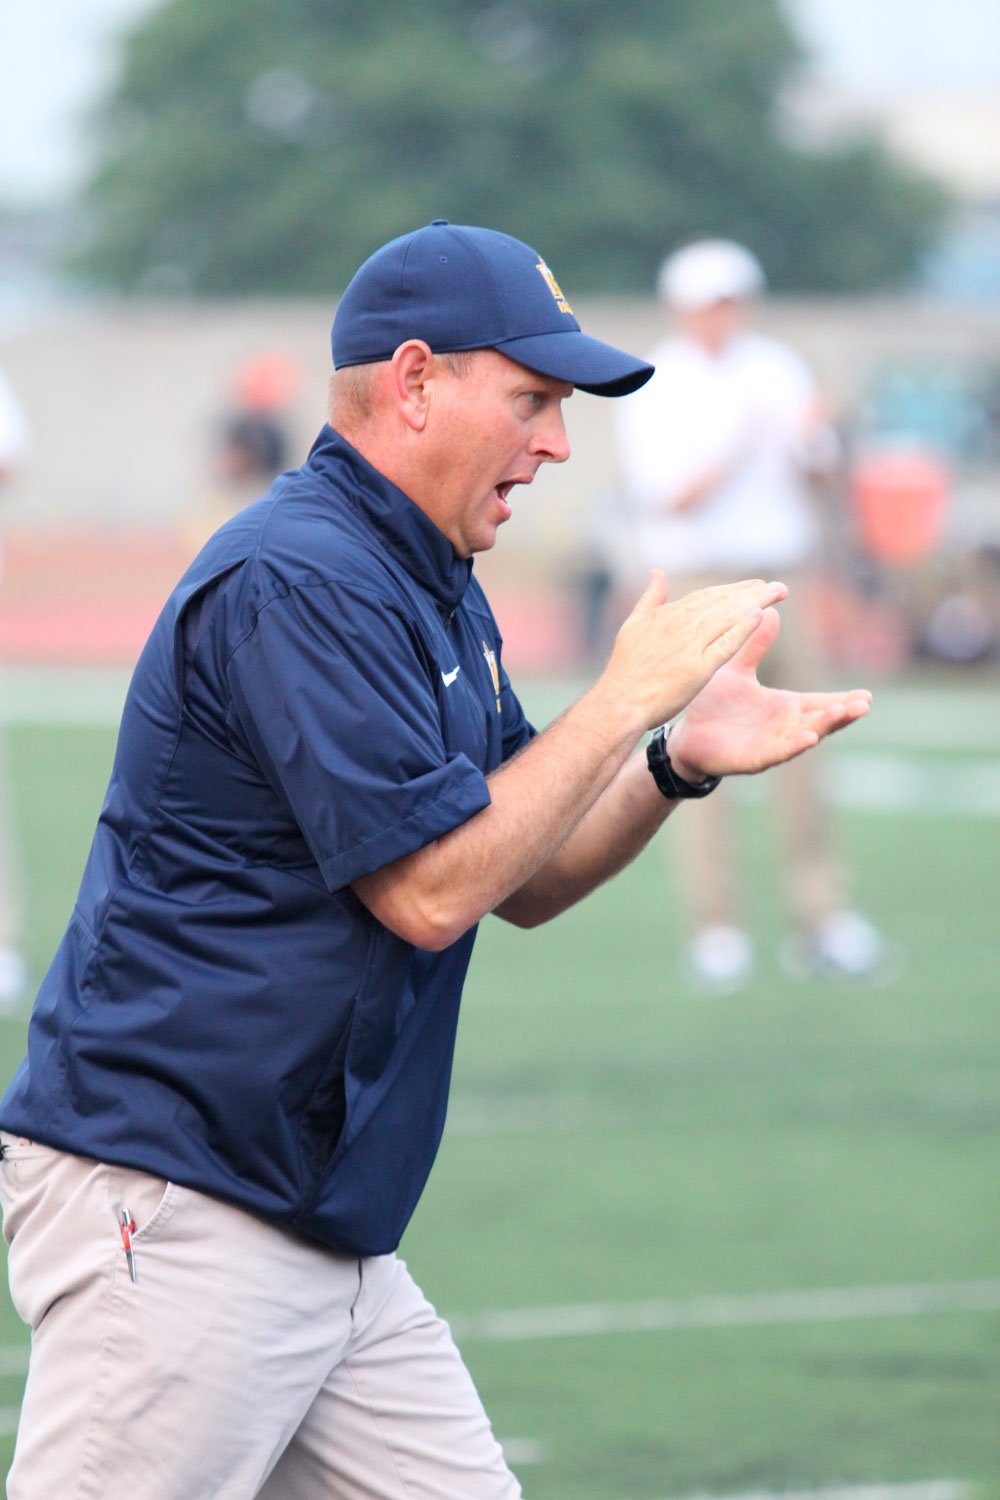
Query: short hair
pixel 351 388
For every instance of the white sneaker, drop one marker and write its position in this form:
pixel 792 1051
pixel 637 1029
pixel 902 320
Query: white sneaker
pixel 845 946
pixel 721 957
pixel 13 978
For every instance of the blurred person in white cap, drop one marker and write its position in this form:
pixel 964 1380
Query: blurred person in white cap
pixel 13 975
pixel 716 454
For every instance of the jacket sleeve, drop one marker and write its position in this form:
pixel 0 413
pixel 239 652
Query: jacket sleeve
pixel 333 695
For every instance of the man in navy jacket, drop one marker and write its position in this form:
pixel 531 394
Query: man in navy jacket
pixel 238 1063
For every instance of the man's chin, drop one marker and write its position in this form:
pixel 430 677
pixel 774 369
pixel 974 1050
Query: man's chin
pixel 484 541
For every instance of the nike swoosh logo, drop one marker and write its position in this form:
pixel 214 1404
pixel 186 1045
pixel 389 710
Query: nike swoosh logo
pixel 449 677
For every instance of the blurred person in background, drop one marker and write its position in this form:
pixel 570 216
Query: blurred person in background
pixel 13 451
pixel 717 453
pixel 251 442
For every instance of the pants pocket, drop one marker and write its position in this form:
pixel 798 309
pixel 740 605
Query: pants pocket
pixel 26 1170
pixel 149 1200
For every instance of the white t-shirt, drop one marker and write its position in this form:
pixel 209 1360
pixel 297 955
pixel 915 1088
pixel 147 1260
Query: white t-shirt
pixel 13 429
pixel 740 412
pixel 13 436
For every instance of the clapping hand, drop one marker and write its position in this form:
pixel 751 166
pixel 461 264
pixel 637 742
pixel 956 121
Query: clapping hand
pixel 735 725
pixel 667 650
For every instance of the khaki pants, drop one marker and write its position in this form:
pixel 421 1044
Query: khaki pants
pixel 703 842
pixel 241 1362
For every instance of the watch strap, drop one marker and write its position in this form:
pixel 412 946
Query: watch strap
pixel 666 778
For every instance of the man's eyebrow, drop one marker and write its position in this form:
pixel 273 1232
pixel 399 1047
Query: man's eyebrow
pixel 552 387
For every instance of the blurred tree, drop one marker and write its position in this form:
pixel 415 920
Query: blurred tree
pixel 270 145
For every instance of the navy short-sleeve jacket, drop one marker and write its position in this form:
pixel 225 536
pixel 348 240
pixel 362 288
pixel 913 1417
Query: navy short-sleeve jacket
pixel 322 694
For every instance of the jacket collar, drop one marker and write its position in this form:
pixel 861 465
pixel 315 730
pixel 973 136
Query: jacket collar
pixel 411 536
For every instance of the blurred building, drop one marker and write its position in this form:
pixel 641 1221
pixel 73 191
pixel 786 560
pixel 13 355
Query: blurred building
pixel 952 135
pixel 125 456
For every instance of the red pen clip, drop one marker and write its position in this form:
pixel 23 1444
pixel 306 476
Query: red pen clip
pixel 126 1224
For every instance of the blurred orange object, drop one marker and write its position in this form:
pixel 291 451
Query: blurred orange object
pixel 268 381
pixel 901 498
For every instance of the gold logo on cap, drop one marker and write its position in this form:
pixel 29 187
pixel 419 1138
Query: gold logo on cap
pixel 553 287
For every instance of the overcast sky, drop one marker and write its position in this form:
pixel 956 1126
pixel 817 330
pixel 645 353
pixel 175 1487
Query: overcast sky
pixel 879 47
pixel 57 55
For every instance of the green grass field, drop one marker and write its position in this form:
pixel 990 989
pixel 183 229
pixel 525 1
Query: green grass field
pixel 618 1139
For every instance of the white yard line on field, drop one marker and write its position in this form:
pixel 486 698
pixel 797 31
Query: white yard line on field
pixel 928 1489
pixel 64 696
pixel 570 1113
pixel 667 1314
pixel 902 717
pixel 9 1416
pixel 902 784
pixel 941 717
pixel 892 783
pixel 873 781
pixel 13 1359
pixel 756 1310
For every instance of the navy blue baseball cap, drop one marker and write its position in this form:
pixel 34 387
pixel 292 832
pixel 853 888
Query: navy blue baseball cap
pixel 458 287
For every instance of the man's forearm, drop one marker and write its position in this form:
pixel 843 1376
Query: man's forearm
pixel 617 828
pixel 537 800
pixel 663 655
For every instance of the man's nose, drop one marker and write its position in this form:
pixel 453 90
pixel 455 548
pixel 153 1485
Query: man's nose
pixel 552 444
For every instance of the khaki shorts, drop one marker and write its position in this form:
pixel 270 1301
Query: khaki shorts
pixel 240 1362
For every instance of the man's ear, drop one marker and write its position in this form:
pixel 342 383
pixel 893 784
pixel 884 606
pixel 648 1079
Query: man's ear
pixel 410 370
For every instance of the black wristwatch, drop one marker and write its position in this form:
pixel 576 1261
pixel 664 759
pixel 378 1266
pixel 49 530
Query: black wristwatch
pixel 666 778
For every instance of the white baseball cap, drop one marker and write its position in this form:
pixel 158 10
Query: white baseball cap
pixel 709 271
